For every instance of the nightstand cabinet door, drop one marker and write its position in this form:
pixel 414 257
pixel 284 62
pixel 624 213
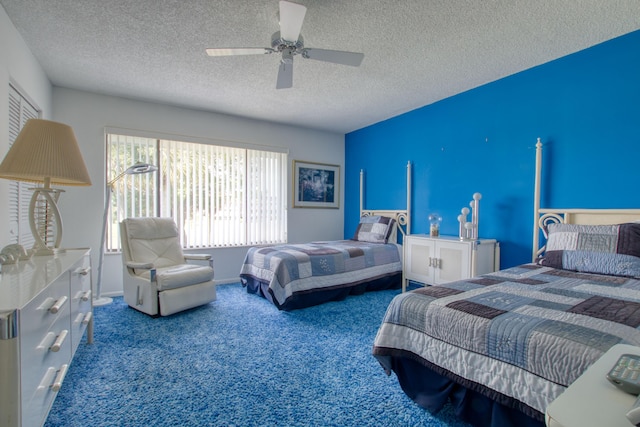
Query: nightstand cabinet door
pixel 418 253
pixel 453 262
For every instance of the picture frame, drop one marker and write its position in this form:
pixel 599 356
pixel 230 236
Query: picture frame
pixel 316 185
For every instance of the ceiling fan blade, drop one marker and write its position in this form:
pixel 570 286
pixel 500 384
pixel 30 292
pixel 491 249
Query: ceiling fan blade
pixel 291 18
pixel 336 56
pixel 239 51
pixel 285 75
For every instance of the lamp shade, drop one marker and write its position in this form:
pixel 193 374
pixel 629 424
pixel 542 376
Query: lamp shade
pixel 45 151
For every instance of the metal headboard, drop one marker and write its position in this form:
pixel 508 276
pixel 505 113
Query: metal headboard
pixel 402 217
pixel 543 217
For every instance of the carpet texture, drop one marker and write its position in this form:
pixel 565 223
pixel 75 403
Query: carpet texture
pixel 237 362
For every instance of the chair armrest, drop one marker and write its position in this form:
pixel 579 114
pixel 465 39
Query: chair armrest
pixel 140 265
pixel 132 266
pixel 198 257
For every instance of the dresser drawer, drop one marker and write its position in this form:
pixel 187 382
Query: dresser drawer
pixel 44 382
pixel 45 308
pixel 52 350
pixel 45 344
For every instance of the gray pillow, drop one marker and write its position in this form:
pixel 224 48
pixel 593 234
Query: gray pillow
pixel 374 229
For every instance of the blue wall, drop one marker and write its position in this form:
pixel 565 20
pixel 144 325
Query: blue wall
pixel 585 107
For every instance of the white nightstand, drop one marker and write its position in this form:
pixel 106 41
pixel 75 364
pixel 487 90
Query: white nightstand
pixel 436 260
pixel 592 401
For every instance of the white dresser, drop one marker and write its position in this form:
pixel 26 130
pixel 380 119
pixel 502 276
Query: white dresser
pixel 436 260
pixel 45 308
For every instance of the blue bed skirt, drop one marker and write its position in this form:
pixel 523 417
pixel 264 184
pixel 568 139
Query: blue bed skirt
pixel 431 390
pixel 315 297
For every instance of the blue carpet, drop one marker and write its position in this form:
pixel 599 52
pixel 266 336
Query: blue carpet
pixel 237 362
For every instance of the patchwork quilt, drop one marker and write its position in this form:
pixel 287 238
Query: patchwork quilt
pixel 524 333
pixel 289 269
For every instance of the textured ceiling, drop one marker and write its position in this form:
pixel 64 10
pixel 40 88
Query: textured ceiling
pixel 416 51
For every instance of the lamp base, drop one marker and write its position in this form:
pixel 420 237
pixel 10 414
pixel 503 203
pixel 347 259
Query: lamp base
pixel 102 301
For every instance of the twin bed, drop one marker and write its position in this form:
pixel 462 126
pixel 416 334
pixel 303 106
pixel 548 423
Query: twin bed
pixel 502 346
pixel 302 275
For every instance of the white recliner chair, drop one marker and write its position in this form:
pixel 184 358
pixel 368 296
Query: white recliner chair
pixel 157 278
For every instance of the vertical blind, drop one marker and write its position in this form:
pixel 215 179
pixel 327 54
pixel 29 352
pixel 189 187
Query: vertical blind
pixel 133 195
pixel 219 196
pixel 20 110
pixel 266 189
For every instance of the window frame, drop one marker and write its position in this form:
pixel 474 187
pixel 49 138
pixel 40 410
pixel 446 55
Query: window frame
pixel 159 178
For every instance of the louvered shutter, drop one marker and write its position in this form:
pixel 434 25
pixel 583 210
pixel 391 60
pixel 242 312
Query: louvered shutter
pixel 20 110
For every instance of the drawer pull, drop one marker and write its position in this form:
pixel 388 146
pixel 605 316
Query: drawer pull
pixel 47 341
pixel 83 296
pixel 78 318
pixel 87 318
pixel 46 304
pixel 57 383
pixel 83 271
pixel 58 305
pixel 46 381
pixel 59 341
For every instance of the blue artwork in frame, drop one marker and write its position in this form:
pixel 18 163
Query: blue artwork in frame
pixel 315 185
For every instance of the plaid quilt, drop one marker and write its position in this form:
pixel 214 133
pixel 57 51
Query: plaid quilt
pixel 524 333
pixel 289 269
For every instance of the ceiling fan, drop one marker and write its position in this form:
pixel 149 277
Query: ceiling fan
pixel 290 43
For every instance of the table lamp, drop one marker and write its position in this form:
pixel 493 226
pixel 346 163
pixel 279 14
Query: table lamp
pixel 47 153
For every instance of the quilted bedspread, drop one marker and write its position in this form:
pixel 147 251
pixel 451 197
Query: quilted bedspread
pixel 523 334
pixel 289 269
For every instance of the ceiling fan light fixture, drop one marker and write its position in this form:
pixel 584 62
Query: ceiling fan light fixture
pixel 279 44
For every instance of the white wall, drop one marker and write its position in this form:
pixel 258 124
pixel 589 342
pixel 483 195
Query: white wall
pixel 18 66
pixel 89 113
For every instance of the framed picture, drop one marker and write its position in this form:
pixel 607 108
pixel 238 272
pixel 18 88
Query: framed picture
pixel 315 185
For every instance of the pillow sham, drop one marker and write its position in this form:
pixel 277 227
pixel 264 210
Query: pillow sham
pixel 619 239
pixel 602 249
pixel 593 262
pixel 374 229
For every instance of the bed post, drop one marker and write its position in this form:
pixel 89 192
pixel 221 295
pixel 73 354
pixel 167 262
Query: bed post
pixel 536 202
pixel 361 191
pixel 408 197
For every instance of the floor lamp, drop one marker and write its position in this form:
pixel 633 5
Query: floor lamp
pixel 136 169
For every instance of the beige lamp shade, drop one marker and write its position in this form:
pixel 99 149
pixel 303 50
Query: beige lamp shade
pixel 48 152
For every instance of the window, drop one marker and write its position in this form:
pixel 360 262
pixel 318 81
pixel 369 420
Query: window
pixel 20 110
pixel 219 195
